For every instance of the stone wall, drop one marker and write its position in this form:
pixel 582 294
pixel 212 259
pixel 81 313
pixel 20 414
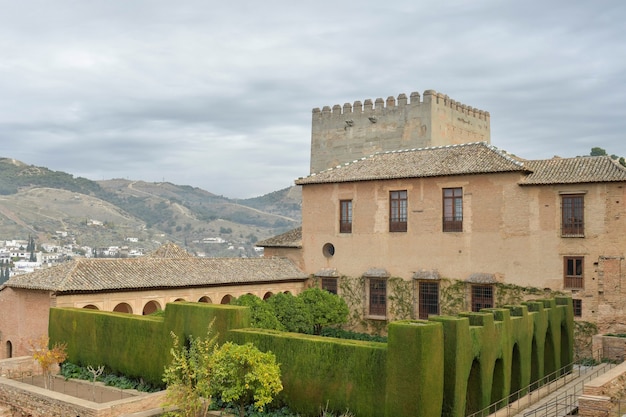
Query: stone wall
pixel 602 394
pixel 609 347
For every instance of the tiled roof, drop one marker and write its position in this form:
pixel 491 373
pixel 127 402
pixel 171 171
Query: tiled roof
pixel 582 169
pixel 97 275
pixel 470 158
pixel 290 239
pixel 170 250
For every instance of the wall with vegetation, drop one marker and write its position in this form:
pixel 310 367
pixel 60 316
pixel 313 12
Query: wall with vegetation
pixel 448 366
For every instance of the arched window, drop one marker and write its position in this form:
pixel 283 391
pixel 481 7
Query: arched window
pixel 151 307
pixel 267 295
pixel 91 307
pixel 226 299
pixel 9 351
pixel 123 308
pixel 205 299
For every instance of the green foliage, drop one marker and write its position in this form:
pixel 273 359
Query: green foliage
pixel 188 375
pixel 72 371
pixel 292 313
pixel 346 334
pixel 400 296
pixel 583 339
pixel 597 151
pixel 245 375
pixel 262 314
pixel 451 297
pixel 352 290
pixel 326 308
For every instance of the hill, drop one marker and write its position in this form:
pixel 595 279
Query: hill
pixel 41 202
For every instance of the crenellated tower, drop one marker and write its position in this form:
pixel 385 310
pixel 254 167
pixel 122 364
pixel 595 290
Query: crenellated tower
pixel 344 133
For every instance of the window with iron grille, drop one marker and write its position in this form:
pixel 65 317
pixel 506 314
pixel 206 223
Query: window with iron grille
pixel 397 211
pixel 378 297
pixel 573 271
pixel 572 215
pixel 345 216
pixel 578 307
pixel 330 285
pixel 482 297
pixel 452 209
pixel 428 298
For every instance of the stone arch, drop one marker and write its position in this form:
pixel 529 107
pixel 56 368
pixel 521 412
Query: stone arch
pixel 287 292
pixel 151 307
pixel 267 295
pixel 179 299
pixel 91 307
pixel 9 349
pixel 226 299
pixel 205 299
pixel 123 308
pixel 474 389
pixel 516 373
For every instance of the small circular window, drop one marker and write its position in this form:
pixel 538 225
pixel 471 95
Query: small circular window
pixel 328 250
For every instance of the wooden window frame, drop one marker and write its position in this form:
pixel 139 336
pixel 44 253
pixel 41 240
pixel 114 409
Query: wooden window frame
pixel 398 210
pixel 574 272
pixel 452 209
pixel 345 216
pixel 578 307
pixel 482 296
pixel 377 305
pixel 573 215
pixel 428 296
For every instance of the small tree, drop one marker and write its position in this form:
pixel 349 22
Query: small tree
pixel 187 376
pixel 292 313
pixel 262 314
pixel 47 357
pixel 326 308
pixel 244 375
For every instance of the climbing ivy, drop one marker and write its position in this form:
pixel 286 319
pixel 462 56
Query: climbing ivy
pixel 400 296
pixel 451 297
pixel 583 339
pixel 353 292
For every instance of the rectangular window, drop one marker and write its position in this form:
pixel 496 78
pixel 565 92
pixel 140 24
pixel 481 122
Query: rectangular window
pixel 452 209
pixel 330 285
pixel 378 297
pixel 345 216
pixel 578 307
pixel 428 299
pixel 573 272
pixel 572 215
pixel 482 297
pixel 397 211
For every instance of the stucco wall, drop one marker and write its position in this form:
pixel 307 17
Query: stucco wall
pixel 510 231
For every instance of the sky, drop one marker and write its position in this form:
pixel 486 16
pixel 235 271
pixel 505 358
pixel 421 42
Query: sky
pixel 218 95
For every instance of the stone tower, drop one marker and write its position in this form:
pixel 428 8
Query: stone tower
pixel 343 134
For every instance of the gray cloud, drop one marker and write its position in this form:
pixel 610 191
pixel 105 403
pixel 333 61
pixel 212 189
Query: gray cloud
pixel 219 96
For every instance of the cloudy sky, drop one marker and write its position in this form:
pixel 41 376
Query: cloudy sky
pixel 218 95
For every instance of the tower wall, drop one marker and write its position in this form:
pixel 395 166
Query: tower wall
pixel 344 133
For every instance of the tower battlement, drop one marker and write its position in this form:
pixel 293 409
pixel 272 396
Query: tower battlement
pixel 343 133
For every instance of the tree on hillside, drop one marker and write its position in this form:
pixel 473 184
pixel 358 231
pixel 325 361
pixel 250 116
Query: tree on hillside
pixel 326 308
pixel 597 151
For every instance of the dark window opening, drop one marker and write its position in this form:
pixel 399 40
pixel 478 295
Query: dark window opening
pixel 330 285
pixel 428 299
pixel 345 216
pixel 573 272
pixel 398 211
pixel 578 307
pixel 452 209
pixel 482 297
pixel 378 297
pixel 572 215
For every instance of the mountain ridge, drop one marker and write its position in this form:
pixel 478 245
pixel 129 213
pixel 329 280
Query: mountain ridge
pixel 47 204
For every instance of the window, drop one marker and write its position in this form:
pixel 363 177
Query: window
pixel 573 272
pixel 378 297
pixel 330 285
pixel 345 216
pixel 578 307
pixel 452 209
pixel 572 215
pixel 428 298
pixel 397 211
pixel 482 297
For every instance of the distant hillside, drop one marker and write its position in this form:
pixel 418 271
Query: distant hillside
pixel 39 201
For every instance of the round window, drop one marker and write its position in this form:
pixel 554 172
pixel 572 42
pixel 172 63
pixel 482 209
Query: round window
pixel 328 250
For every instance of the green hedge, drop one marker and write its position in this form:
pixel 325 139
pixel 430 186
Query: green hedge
pixel 319 371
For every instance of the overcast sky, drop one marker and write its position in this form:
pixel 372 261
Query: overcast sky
pixel 218 95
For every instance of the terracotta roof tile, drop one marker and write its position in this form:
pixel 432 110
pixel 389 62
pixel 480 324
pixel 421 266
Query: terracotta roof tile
pixel 290 239
pixel 470 158
pixel 582 169
pixel 95 275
